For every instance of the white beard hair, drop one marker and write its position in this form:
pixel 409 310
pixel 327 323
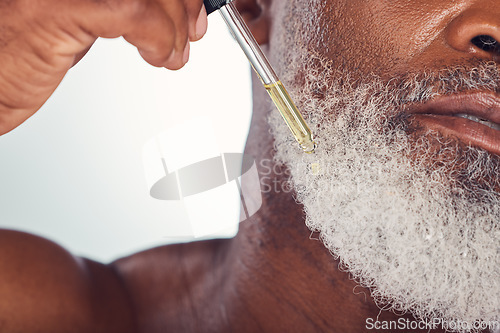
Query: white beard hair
pixel 419 240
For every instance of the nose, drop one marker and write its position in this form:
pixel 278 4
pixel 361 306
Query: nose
pixel 476 32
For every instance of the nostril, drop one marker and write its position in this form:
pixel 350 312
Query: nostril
pixel 487 44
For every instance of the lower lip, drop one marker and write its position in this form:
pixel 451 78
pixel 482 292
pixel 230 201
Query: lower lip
pixel 465 130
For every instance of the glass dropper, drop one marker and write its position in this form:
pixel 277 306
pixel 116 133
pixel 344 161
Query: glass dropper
pixel 265 72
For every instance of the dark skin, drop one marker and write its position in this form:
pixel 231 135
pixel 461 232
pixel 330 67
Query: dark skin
pixel 271 277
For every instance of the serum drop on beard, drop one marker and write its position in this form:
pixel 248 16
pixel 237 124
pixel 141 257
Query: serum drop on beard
pixel 265 72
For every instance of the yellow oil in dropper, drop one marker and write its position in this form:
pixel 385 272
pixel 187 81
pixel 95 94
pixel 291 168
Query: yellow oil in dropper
pixel 273 85
pixel 292 116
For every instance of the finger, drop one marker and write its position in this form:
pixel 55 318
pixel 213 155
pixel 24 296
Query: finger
pixel 196 18
pixel 154 35
pixel 176 11
pixel 143 23
pixel 201 25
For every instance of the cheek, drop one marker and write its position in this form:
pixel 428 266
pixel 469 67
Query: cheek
pixel 356 39
pixel 382 37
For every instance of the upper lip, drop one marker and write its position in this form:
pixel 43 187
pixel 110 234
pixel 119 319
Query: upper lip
pixel 481 104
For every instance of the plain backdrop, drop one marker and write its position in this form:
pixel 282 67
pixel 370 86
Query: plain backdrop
pixel 74 173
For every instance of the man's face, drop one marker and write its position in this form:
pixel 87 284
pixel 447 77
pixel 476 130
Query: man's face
pixel 388 37
pixel 403 97
pixel 391 38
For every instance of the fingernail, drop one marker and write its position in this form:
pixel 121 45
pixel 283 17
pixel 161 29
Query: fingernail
pixel 201 23
pixel 185 55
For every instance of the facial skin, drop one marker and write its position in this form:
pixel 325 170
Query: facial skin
pixel 409 202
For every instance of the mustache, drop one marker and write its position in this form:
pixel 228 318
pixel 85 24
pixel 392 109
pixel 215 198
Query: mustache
pixel 323 82
pixel 477 75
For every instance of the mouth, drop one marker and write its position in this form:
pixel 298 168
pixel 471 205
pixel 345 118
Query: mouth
pixel 473 119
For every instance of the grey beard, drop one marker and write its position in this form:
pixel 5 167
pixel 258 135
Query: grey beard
pixel 416 224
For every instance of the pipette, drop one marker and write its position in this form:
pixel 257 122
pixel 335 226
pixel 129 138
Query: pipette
pixel 265 72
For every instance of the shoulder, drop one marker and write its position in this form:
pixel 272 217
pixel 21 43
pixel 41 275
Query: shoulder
pixel 46 289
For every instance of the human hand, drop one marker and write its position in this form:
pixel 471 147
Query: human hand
pixel 41 40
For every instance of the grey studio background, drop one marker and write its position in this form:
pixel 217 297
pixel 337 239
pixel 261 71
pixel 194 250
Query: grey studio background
pixel 74 172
